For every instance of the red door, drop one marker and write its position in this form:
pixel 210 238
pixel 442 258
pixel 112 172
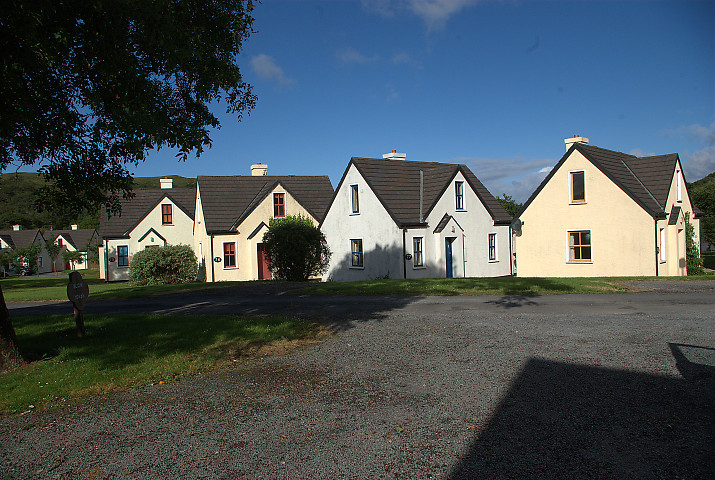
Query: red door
pixel 263 272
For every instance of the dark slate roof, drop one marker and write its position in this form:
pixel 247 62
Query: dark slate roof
pixel 228 200
pixel 145 200
pixel 19 238
pixel 646 180
pixel 397 184
pixel 78 238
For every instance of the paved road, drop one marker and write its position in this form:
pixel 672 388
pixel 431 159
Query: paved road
pixel 566 386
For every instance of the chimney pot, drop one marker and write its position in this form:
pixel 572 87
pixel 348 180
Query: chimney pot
pixel 166 183
pixel 259 170
pixel 17 227
pixel 74 227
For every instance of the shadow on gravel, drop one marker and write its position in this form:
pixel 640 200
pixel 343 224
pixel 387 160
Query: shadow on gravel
pixel 514 301
pixel 561 420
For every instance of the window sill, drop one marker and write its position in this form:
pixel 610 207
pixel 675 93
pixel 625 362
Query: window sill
pixel 493 261
pixel 578 203
pixel 579 262
pixel 354 214
pixel 356 268
pixel 230 268
pixel 421 267
pixel 460 210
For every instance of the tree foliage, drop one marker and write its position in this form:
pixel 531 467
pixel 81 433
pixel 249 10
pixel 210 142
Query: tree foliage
pixel 702 194
pixel 693 261
pixel 296 249
pixel 509 204
pixel 53 250
pixel 88 88
pixel 72 256
pixel 164 265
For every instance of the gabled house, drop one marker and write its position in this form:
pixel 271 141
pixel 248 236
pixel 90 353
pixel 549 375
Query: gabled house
pixel 74 240
pixel 395 218
pixel 18 238
pixel 152 218
pixel 233 213
pixel 605 213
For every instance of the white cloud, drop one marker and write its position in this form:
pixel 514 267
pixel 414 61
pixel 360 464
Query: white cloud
pixel 403 58
pixel 352 56
pixel 694 132
pixel 699 164
pixel 434 13
pixel 516 176
pixel 267 69
pixel 641 153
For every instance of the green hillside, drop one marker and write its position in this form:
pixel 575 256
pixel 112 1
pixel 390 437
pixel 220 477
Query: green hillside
pixel 18 202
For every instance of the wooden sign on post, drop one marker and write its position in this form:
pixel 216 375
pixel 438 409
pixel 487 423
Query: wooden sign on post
pixel 78 292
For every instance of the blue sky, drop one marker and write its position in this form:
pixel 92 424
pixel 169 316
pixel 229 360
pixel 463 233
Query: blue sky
pixel 496 85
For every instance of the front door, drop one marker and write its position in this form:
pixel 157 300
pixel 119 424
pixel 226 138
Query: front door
pixel 264 272
pixel 448 254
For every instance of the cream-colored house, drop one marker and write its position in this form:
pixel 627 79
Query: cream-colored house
pixel 606 213
pixel 73 240
pixel 233 213
pixel 153 218
pixel 18 238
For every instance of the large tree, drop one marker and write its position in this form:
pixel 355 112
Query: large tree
pixel 87 89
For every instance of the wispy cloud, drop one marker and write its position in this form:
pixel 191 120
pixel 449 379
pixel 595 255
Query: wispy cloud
pixel 267 69
pixel 515 176
pixel 641 153
pixel 694 132
pixel 403 58
pixel 699 164
pixel 434 13
pixel 352 56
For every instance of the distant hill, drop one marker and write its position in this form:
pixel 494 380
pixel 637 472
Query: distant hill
pixel 18 199
pixel 703 181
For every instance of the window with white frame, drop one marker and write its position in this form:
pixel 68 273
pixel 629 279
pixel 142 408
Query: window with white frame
pixel 354 199
pixel 580 246
pixel 680 185
pixel 492 247
pixel 417 256
pixel 357 253
pixel 459 195
pixel 123 255
pixel 661 235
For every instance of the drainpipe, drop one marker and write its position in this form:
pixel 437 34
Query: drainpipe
pixel 106 261
pixel 212 258
pixel 511 253
pixel 404 252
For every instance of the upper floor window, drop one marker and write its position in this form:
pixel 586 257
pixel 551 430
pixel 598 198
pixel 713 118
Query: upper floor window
pixel 279 206
pixel 123 256
pixel 492 246
pixel 357 254
pixel 166 214
pixel 680 185
pixel 229 254
pixel 459 195
pixel 354 199
pixel 59 242
pixel 580 246
pixel 578 187
pixel 417 257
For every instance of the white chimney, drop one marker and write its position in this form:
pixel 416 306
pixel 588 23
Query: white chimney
pixel 17 228
pixel 166 182
pixel 576 139
pixel 259 170
pixel 393 155
pixel 74 227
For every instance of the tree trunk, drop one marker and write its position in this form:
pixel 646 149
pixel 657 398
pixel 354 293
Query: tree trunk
pixel 10 357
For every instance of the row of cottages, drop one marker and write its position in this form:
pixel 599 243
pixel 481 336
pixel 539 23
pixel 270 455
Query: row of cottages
pixel 394 218
pixel 606 213
pixel 74 239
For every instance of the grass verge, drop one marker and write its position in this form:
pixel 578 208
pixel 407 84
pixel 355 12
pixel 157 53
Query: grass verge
pixel 483 286
pixel 129 351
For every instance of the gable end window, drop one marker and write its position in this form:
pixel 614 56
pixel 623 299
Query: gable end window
pixel 417 257
pixel 229 255
pixel 577 181
pixel 166 215
pixel 492 247
pixel 279 206
pixel 459 195
pixel 661 248
pixel 580 246
pixel 354 199
pixel 679 186
pixel 357 254
pixel 123 256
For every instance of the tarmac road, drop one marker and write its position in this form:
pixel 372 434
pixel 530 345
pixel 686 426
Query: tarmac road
pixel 563 386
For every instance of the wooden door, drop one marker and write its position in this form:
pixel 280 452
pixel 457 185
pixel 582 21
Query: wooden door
pixel 264 272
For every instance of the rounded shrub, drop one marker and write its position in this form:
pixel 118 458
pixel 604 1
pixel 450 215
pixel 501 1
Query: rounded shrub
pixel 296 249
pixel 164 265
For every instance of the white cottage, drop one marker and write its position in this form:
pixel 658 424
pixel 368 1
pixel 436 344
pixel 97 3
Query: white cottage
pixel 395 218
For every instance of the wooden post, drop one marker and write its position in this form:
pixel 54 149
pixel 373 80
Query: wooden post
pixel 78 292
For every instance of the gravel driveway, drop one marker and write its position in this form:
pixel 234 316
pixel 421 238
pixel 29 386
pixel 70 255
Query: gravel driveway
pixel 420 393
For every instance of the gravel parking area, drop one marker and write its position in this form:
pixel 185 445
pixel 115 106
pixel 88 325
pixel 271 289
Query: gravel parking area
pixel 446 394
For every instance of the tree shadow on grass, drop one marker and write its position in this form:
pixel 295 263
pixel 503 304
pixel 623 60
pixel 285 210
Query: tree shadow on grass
pixel 560 420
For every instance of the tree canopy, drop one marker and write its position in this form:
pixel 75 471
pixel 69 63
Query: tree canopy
pixel 87 89
pixel 702 194
pixel 296 249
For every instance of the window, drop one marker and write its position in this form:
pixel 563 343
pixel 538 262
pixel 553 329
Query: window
pixel 123 256
pixel 492 247
pixel 580 246
pixel 279 206
pixel 417 257
pixel 39 262
pixel 459 195
pixel 662 245
pixel 356 247
pixel 59 242
pixel 355 201
pixel 578 187
pixel 680 185
pixel 166 217
pixel 229 255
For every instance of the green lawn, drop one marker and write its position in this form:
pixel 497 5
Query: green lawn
pixel 479 286
pixel 129 351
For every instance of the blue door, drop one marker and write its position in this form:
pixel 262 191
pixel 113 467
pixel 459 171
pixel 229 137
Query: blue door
pixel 448 254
